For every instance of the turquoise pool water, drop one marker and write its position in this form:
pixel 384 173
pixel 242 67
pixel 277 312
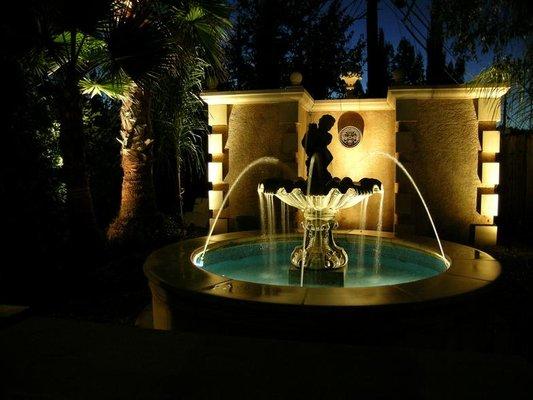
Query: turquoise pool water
pixel 268 262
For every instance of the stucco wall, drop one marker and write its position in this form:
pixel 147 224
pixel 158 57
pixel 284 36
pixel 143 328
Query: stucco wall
pixel 356 163
pixel 276 130
pixel 256 131
pixel 442 157
pixel 439 147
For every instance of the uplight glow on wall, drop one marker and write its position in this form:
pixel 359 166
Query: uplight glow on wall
pixel 486 235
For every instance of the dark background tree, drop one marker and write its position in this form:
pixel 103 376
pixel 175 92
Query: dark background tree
pixel 436 72
pixel 259 44
pixel 309 37
pixel 428 33
pixel 323 54
pixel 64 36
pixel 374 68
pixel 407 65
pixel 33 182
pixel 384 68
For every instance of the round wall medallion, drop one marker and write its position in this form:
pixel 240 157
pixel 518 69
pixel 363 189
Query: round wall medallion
pixel 350 136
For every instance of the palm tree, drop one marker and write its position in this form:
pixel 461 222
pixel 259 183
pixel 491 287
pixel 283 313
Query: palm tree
pixel 181 125
pixel 68 51
pixel 516 74
pixel 150 40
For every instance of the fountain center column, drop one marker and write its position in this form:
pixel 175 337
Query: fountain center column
pixel 321 252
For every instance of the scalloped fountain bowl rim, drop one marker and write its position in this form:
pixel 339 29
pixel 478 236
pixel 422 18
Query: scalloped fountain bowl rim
pixel 171 272
pixel 332 199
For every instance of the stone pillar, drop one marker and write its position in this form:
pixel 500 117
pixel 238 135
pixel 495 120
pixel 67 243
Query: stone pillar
pixel 405 196
pixel 217 164
pixel 488 114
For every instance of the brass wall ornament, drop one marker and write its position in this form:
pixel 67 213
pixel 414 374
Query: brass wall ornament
pixel 350 136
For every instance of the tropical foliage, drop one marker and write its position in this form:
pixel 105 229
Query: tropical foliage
pixel 501 28
pixel 151 43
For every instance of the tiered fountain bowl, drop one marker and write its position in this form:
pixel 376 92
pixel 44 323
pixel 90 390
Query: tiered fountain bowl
pixel 319 253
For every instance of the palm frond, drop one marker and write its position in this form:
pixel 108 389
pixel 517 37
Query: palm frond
pixel 517 75
pixel 115 87
pixel 207 24
pixel 178 116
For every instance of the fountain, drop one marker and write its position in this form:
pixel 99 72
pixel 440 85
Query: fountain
pixel 234 273
pixel 320 198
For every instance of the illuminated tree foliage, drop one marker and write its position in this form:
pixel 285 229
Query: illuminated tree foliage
pixel 151 42
pixel 63 51
pixel 503 28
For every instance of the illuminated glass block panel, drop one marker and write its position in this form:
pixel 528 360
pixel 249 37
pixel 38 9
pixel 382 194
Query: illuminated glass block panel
pixel 217 114
pixel 489 204
pixel 486 235
pixel 214 143
pixel 491 141
pixel 490 173
pixel 215 199
pixel 215 172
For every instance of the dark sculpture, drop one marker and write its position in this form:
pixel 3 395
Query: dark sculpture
pixel 315 142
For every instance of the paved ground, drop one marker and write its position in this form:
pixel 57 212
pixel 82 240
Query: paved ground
pixel 45 358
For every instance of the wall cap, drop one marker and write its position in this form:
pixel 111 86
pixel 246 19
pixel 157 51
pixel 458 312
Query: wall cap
pixel 299 94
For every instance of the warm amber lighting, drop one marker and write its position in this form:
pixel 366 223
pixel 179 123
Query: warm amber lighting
pixel 485 235
pixel 221 226
pixel 491 141
pixel 214 172
pixel 214 143
pixel 217 114
pixel 350 79
pixel 490 173
pixel 489 205
pixel 215 199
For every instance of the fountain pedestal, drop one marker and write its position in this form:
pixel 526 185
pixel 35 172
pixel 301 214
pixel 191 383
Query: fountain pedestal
pixel 321 251
pixel 323 260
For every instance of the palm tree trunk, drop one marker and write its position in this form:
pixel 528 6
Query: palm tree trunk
pixel 180 192
pixel 80 211
pixel 138 194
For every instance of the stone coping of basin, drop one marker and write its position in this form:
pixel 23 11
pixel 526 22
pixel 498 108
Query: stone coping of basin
pixel 171 271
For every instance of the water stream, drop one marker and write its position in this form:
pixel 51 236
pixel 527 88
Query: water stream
pixel 304 242
pixel 262 211
pixel 404 170
pixel 379 228
pixel 259 161
pixel 362 227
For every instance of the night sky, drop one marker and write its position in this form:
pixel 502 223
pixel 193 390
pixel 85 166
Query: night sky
pixel 390 20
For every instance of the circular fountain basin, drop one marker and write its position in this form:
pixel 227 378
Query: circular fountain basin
pixel 266 262
pixel 243 273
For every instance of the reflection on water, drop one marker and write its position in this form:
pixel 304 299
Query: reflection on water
pixel 253 262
